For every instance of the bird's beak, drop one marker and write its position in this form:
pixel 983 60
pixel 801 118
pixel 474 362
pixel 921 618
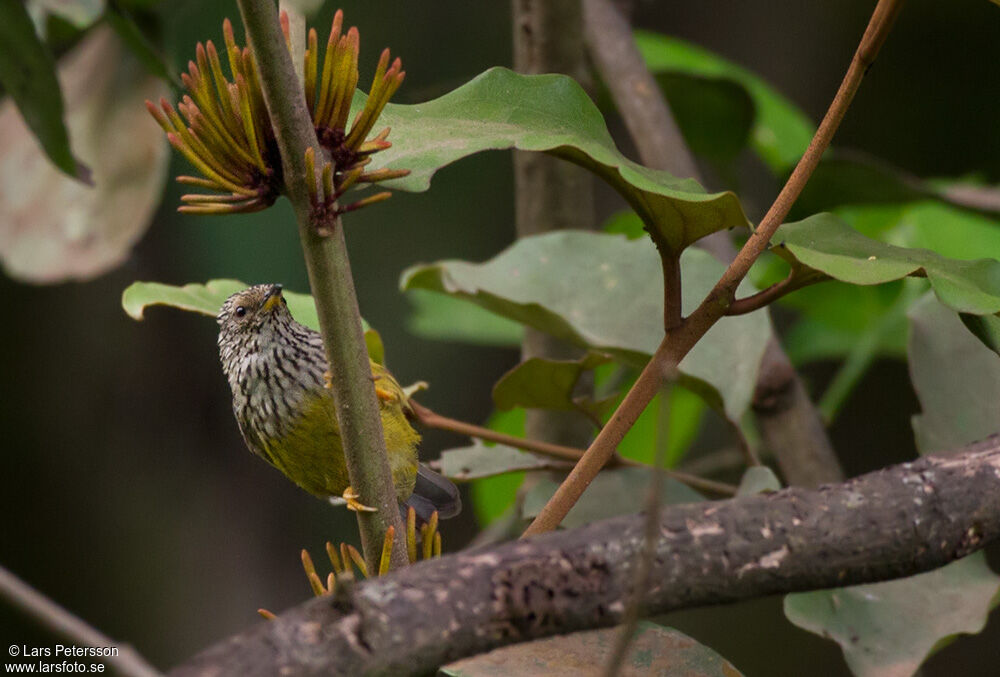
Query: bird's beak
pixel 273 298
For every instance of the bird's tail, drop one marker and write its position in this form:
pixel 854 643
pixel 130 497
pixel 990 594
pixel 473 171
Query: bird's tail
pixel 434 492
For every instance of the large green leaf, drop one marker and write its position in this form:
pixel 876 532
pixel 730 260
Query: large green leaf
pixel 825 243
pixel 28 76
pixel 478 461
pixel 539 383
pixel 781 132
pixel 620 491
pixel 715 115
pixel 494 496
pixel 654 650
pixel 444 318
pixel 207 299
pixel 604 292
pixel 890 628
pixel 501 109
pixel 956 378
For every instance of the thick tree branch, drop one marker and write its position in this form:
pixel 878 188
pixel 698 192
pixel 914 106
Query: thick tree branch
pixel 888 524
pixel 781 404
pixel 550 194
pixel 332 286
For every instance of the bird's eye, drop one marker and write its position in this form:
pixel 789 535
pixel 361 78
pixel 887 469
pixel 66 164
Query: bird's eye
pixel 240 311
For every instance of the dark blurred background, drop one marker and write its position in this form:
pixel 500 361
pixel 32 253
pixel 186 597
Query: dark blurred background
pixel 126 492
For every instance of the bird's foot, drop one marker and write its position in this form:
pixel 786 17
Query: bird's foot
pixel 328 379
pixel 351 497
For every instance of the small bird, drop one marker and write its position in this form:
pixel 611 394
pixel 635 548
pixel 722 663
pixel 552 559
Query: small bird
pixel 278 372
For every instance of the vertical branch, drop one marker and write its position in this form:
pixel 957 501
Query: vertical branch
pixel 550 194
pixel 789 422
pixel 332 286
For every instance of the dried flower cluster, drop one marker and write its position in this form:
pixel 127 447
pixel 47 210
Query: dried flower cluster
pixel 223 128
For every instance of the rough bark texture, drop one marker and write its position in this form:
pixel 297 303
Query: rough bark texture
pixel 887 524
pixel 790 425
pixel 551 194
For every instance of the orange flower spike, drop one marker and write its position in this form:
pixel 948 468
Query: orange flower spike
pixel 312 61
pixel 325 97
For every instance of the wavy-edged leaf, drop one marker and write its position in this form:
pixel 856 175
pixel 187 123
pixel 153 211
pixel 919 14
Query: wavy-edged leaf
pixel 539 383
pixel 28 76
pixel 500 109
pixel 443 318
pixel 888 629
pixel 54 228
pixel 620 491
pixel 758 479
pixel 654 650
pixel 478 461
pixel 825 243
pixel 604 292
pixel 956 378
pixel 781 131
pixel 207 299
pixel 715 115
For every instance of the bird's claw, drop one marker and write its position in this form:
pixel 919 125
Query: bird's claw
pixel 351 497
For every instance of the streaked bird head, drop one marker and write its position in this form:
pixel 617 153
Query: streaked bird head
pixel 252 317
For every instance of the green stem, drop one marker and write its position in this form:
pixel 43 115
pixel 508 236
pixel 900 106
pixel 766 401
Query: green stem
pixel 332 287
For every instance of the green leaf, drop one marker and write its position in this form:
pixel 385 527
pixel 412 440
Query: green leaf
pixel 986 328
pixel 781 132
pixel 825 243
pixel 654 650
pixel 207 299
pixel 478 461
pixel 715 115
pixel 956 378
pixel 539 383
pixel 621 491
pixel 603 292
pixel 435 316
pixel 501 109
pixel 79 13
pixel 28 75
pixel 891 628
pixel 493 496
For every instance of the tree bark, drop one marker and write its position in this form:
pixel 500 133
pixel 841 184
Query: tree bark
pixel 887 524
pixel 551 194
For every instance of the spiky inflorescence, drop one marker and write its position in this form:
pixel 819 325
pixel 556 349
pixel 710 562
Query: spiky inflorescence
pixel 342 559
pixel 223 128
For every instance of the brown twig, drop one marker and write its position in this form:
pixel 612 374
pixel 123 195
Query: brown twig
pixel 61 622
pixel 679 342
pixel 766 297
pixel 432 419
pixel 644 566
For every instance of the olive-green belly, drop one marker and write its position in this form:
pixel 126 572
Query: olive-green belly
pixel 311 453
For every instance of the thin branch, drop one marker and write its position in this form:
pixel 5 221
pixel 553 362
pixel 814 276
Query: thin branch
pixel 61 622
pixel 679 342
pixel 630 621
pixel 672 311
pixel 766 297
pixel 432 419
pixel 332 286
pixel 888 524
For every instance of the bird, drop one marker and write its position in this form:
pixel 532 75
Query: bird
pixel 279 377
